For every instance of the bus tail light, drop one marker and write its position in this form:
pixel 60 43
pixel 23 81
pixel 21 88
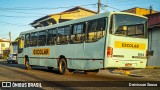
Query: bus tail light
pixel 109 52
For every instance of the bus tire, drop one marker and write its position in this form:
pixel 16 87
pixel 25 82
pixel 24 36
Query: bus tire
pixel 63 67
pixel 28 67
pixel 91 72
pixel 50 68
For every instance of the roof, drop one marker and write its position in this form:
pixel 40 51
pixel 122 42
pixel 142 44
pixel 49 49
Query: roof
pixel 40 19
pixel 78 7
pixel 154 20
pixel 153 14
pixel 4 40
pixel 137 7
pixel 70 10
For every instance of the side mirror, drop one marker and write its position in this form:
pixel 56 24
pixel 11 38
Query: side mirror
pixel 22 37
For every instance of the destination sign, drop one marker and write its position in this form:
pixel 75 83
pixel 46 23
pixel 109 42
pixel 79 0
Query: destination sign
pixel 130 45
pixel 41 51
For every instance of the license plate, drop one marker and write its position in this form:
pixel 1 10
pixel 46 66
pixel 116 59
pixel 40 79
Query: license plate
pixel 128 65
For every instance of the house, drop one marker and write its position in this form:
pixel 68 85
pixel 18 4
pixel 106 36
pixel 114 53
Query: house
pixel 154 40
pixel 4 46
pixel 73 13
pixel 140 11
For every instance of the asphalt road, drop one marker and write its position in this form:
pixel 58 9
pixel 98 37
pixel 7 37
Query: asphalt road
pixel 105 79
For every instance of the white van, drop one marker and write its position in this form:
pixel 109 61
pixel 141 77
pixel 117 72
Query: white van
pixel 12 58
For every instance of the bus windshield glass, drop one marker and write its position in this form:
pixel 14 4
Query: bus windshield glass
pixel 128 25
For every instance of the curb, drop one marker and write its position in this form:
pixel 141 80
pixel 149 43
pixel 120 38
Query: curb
pixel 122 72
pixel 152 67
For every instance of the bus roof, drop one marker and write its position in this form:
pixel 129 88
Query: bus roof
pixel 101 15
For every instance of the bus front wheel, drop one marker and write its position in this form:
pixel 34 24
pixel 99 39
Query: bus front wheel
pixel 63 67
pixel 28 67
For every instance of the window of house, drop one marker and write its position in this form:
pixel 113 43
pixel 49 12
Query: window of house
pixel 78 33
pixel 3 45
pixel 51 39
pixel 27 40
pixel 42 38
pixel 96 29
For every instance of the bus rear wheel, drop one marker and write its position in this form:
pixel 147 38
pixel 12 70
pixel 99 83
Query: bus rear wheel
pixel 50 68
pixel 28 67
pixel 63 67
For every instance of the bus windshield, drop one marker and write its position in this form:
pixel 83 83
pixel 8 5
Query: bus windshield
pixel 128 25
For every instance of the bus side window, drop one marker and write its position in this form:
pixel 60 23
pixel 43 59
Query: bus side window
pixel 34 37
pixel 91 32
pixel 51 39
pixel 63 35
pixel 96 29
pixel 78 33
pixel 101 23
pixel 27 40
pixel 42 38
pixel 67 33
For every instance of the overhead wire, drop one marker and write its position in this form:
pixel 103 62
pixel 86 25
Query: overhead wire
pixel 112 7
pixel 43 8
pixel 27 8
pixel 12 24
pixel 23 12
pixel 18 16
pixel 14 10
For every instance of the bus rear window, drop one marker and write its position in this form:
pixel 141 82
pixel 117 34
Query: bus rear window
pixel 128 25
pixel 136 30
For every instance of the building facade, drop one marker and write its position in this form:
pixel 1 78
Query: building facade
pixel 154 40
pixel 140 11
pixel 4 46
pixel 73 13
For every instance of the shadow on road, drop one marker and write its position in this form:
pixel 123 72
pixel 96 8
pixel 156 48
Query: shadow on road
pixel 12 65
pixel 40 68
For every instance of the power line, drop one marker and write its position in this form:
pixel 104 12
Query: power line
pixel 19 16
pixel 121 1
pixel 22 12
pixel 127 4
pixel 13 24
pixel 44 8
pixel 111 7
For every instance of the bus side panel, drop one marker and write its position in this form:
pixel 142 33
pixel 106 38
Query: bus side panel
pixel 20 58
pixel 48 62
pixel 83 56
pixel 43 60
pixel 93 55
pixel 69 51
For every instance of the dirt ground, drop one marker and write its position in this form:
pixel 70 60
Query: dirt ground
pixel 153 74
pixel 147 73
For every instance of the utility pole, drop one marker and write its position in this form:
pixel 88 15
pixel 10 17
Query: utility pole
pixel 99 5
pixel 150 8
pixel 10 42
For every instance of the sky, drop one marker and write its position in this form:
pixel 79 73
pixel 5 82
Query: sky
pixel 16 15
